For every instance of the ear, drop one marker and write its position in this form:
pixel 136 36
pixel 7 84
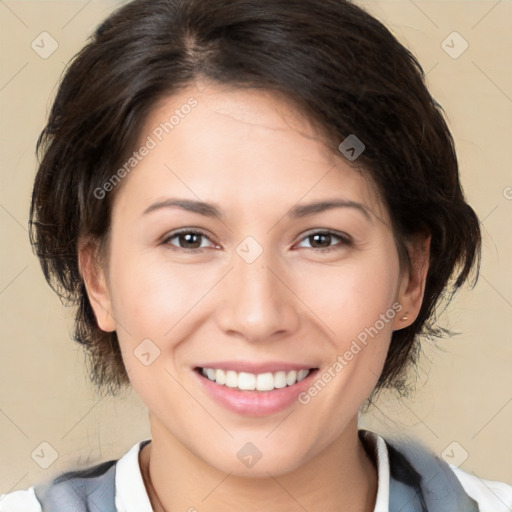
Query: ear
pixel 96 284
pixel 412 285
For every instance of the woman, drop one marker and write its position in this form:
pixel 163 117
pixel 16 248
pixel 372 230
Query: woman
pixel 256 207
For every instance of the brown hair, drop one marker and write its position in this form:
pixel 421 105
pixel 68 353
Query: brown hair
pixel 340 66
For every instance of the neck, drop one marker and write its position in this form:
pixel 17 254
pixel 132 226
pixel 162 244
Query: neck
pixel 340 478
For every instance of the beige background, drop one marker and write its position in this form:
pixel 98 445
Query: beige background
pixel 467 399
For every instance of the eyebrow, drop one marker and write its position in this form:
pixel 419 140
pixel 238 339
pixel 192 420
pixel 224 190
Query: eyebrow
pixel 298 211
pixel 200 207
pixel 309 209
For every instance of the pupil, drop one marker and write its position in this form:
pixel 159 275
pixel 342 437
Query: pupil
pixel 319 236
pixel 188 237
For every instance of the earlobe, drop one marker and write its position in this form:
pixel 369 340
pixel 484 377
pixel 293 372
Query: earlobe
pixel 412 286
pixel 95 281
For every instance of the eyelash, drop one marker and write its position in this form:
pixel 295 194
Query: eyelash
pixel 345 240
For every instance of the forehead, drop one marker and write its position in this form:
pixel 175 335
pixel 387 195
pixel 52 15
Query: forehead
pixel 249 147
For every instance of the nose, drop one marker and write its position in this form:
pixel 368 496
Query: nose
pixel 257 303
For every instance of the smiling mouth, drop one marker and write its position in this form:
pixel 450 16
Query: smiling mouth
pixel 262 382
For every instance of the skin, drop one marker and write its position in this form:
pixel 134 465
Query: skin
pixel 255 157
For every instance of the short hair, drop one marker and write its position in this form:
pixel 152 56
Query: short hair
pixel 338 65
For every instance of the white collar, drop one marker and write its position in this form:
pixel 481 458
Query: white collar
pixel 131 495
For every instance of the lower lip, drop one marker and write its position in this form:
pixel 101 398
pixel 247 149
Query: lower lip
pixel 255 403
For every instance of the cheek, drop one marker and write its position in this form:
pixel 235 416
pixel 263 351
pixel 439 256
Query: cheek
pixel 355 308
pixel 159 302
pixel 350 297
pixel 153 298
pixel 153 305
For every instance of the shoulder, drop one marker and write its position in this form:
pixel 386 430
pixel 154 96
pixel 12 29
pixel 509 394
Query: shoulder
pixel 20 501
pixel 77 490
pixel 69 491
pixel 491 495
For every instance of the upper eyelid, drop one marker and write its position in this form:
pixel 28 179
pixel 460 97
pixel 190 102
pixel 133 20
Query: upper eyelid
pixel 174 234
pixel 344 237
pixel 334 232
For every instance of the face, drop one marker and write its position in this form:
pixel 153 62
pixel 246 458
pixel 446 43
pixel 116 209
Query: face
pixel 254 283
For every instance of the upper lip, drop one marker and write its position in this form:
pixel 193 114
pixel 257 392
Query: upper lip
pixel 252 367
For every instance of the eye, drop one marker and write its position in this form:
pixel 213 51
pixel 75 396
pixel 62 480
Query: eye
pixel 187 239
pixel 321 240
pixel 192 240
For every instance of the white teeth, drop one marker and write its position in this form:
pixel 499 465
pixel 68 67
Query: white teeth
pixel 302 374
pixel 250 381
pixel 265 382
pixel 219 376
pixel 231 379
pixel 291 378
pixel 280 380
pixel 246 381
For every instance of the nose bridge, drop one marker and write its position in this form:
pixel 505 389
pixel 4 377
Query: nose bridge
pixel 257 304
